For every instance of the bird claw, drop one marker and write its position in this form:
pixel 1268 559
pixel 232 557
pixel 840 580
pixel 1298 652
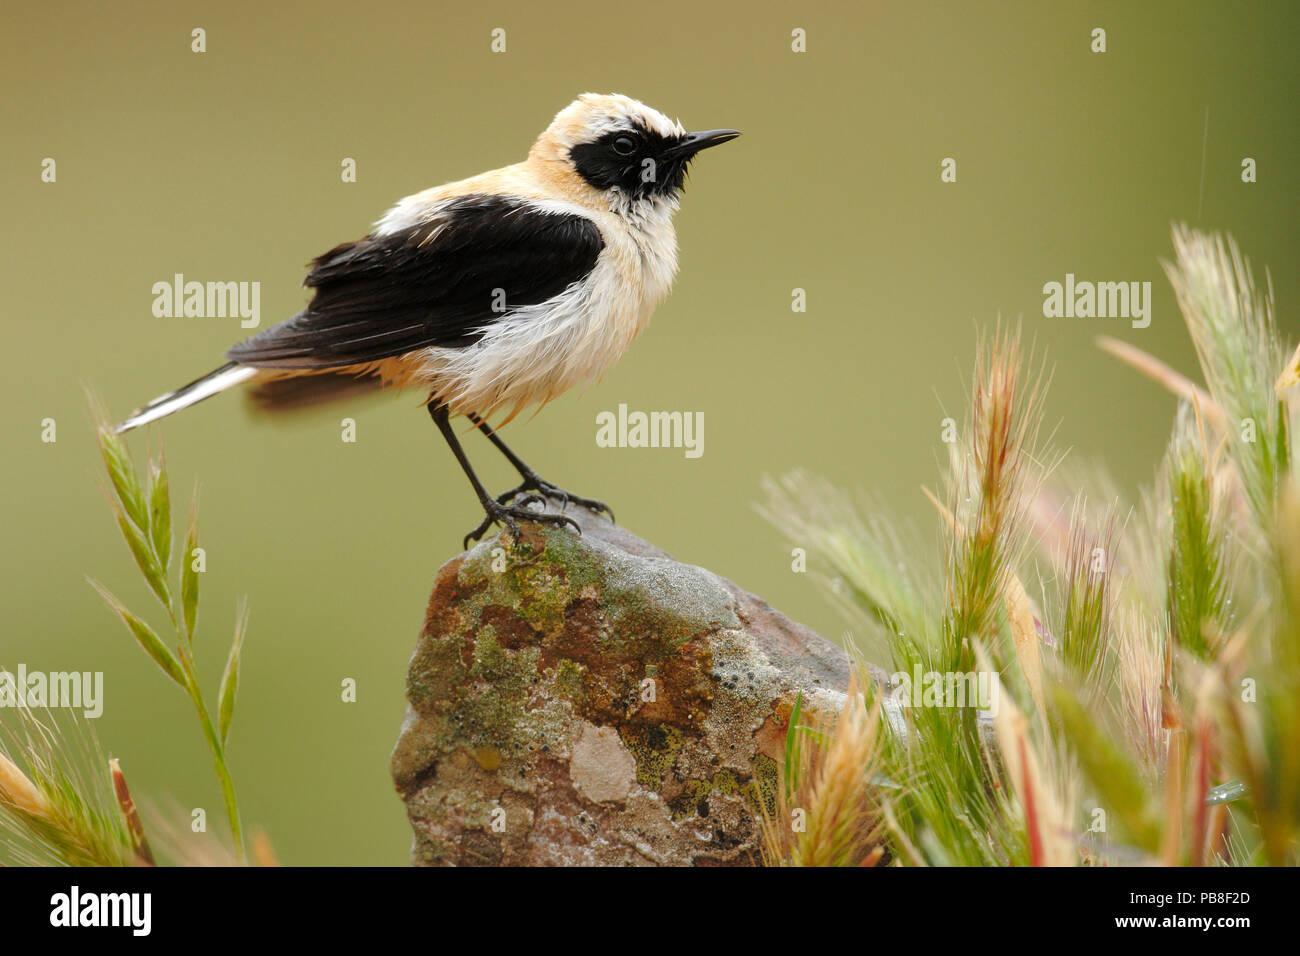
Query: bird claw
pixel 541 489
pixel 497 512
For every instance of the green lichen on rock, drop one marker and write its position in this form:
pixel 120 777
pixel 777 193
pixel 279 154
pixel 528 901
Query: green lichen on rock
pixel 760 792
pixel 489 659
pixel 436 669
pixel 569 679
pixel 694 798
pixel 655 749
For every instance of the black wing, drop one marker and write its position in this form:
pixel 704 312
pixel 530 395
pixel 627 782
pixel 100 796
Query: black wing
pixel 429 285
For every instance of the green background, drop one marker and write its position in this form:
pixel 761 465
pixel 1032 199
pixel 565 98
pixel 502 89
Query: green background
pixel 225 166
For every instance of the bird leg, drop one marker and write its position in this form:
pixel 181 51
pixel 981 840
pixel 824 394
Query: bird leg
pixel 532 481
pixel 495 511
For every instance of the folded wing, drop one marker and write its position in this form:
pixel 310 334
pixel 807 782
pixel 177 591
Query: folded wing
pixel 441 282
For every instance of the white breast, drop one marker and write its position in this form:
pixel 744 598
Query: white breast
pixel 534 353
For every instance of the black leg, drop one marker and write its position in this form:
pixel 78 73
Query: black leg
pixel 495 511
pixel 532 481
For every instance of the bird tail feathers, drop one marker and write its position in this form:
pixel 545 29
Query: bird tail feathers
pixel 228 376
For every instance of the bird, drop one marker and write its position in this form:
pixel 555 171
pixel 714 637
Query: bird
pixel 492 294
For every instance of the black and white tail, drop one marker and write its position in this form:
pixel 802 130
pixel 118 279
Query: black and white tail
pixel 228 376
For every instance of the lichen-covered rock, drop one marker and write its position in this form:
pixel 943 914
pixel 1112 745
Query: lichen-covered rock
pixel 588 700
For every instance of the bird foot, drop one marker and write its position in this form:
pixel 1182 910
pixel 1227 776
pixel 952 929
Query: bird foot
pixel 497 512
pixel 535 483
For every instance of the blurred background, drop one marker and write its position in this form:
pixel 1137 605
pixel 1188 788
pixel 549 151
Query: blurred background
pixel 225 165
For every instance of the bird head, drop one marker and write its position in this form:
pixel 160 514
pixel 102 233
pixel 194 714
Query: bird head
pixel 620 146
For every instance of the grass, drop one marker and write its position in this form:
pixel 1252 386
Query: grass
pixel 1145 654
pixel 60 808
pixel 825 813
pixel 143 512
pixel 71 805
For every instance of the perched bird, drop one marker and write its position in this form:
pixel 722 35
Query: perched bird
pixel 494 293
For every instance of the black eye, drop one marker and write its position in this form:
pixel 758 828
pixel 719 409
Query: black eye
pixel 624 146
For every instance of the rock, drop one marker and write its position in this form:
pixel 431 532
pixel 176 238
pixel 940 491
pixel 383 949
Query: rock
pixel 586 700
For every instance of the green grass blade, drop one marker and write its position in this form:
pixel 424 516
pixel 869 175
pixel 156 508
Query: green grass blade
pixel 791 729
pixel 160 513
pixel 122 476
pixel 145 559
pixel 1117 779
pixel 230 679
pixel 145 635
pixel 190 577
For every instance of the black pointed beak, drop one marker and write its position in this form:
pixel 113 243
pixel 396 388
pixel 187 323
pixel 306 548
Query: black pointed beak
pixel 692 143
